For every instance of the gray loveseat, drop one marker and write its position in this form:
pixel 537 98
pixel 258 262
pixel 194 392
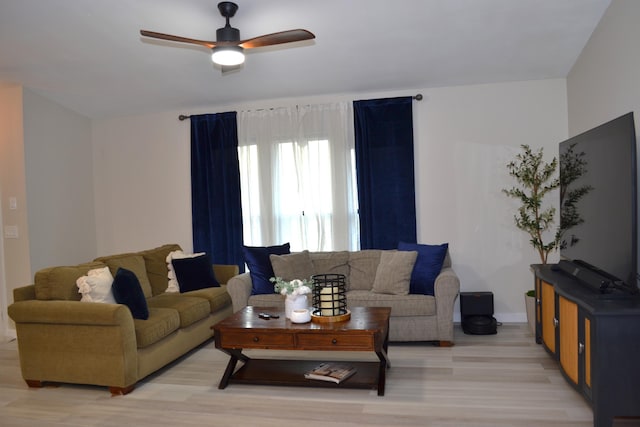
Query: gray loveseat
pixel 414 317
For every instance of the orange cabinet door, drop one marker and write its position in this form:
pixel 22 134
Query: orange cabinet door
pixel 568 325
pixel 548 308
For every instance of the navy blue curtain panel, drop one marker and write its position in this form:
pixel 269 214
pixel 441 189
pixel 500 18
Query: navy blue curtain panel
pixel 215 188
pixel 385 172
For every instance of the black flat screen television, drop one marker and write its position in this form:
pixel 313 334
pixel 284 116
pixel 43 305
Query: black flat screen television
pixel 598 207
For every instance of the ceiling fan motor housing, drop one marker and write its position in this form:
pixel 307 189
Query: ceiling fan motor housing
pixel 227 34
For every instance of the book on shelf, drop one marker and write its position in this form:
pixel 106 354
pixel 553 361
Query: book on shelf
pixel 331 371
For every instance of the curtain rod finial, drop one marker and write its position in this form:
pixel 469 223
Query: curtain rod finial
pixel 418 97
pixel 182 117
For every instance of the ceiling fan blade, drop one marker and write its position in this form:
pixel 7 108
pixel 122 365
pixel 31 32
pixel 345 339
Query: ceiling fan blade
pixel 179 39
pixel 277 38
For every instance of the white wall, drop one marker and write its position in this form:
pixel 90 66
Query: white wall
pixel 142 183
pixel 15 269
pixel 59 184
pixel 464 138
pixel 604 83
pixel 45 165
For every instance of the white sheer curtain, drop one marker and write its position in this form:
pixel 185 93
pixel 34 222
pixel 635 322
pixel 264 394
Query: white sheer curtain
pixel 297 172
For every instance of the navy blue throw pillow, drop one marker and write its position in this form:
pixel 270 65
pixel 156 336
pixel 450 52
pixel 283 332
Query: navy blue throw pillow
pixel 127 290
pixel 194 273
pixel 427 266
pixel 260 269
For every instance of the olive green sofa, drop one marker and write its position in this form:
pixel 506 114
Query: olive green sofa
pixel 64 340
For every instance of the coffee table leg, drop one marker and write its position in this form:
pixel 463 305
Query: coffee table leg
pixel 382 371
pixel 231 366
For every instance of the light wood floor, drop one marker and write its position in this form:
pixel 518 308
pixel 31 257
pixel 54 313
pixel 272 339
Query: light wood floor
pixel 492 380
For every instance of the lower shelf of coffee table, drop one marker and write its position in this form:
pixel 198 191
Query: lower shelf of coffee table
pixel 291 373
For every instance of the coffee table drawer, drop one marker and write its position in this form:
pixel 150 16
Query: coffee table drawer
pixel 256 340
pixel 341 341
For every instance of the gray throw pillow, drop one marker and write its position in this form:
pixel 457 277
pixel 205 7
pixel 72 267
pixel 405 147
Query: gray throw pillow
pixel 362 269
pixel 292 266
pixel 393 275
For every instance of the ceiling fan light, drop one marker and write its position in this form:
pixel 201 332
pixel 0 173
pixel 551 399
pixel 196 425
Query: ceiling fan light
pixel 227 55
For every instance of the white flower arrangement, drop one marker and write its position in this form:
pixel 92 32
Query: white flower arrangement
pixel 293 287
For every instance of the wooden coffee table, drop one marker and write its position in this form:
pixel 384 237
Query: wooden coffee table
pixel 367 330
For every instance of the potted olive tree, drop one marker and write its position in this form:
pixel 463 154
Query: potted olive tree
pixel 536 179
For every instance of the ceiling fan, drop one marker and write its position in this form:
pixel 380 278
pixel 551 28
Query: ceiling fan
pixel 228 49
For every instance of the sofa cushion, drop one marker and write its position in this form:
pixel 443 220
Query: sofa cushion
pixel 132 262
pixel 292 266
pixel 194 273
pixel 127 290
pixel 59 283
pixel 331 263
pixel 427 267
pixel 362 268
pixel 260 269
pixel 190 309
pixel 96 286
pixel 161 323
pixel 401 305
pixel 156 261
pixel 218 298
pixel 393 274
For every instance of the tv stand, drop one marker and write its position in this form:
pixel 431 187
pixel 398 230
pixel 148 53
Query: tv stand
pixel 595 338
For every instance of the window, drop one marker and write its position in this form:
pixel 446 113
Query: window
pixel 297 171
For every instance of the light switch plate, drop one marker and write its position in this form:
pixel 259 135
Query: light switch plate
pixel 13 203
pixel 11 231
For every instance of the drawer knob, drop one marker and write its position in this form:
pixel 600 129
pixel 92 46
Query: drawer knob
pixel 256 339
pixel 334 341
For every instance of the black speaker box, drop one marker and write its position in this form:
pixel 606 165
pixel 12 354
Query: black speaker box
pixel 476 303
pixel 476 313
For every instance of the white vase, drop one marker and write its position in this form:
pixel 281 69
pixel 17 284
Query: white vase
pixel 294 302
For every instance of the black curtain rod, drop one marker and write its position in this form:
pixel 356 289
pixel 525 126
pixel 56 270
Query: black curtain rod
pixel 182 117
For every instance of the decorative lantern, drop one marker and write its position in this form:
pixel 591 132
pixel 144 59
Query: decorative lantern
pixel 329 300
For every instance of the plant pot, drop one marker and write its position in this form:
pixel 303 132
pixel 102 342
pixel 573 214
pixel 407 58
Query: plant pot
pixel 294 302
pixel 530 305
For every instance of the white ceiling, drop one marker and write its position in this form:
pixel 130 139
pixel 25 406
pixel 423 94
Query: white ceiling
pixel 88 55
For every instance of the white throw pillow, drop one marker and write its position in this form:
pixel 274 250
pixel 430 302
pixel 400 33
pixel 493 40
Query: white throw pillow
pixel 174 286
pixel 96 286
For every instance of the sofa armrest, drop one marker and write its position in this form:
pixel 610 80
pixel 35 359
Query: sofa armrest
pixel 239 287
pixel 76 342
pixel 447 287
pixel 24 293
pixel 71 313
pixel 225 272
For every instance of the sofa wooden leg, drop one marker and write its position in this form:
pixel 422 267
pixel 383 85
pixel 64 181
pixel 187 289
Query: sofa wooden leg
pixel 34 383
pixel 40 384
pixel 117 391
pixel 445 343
